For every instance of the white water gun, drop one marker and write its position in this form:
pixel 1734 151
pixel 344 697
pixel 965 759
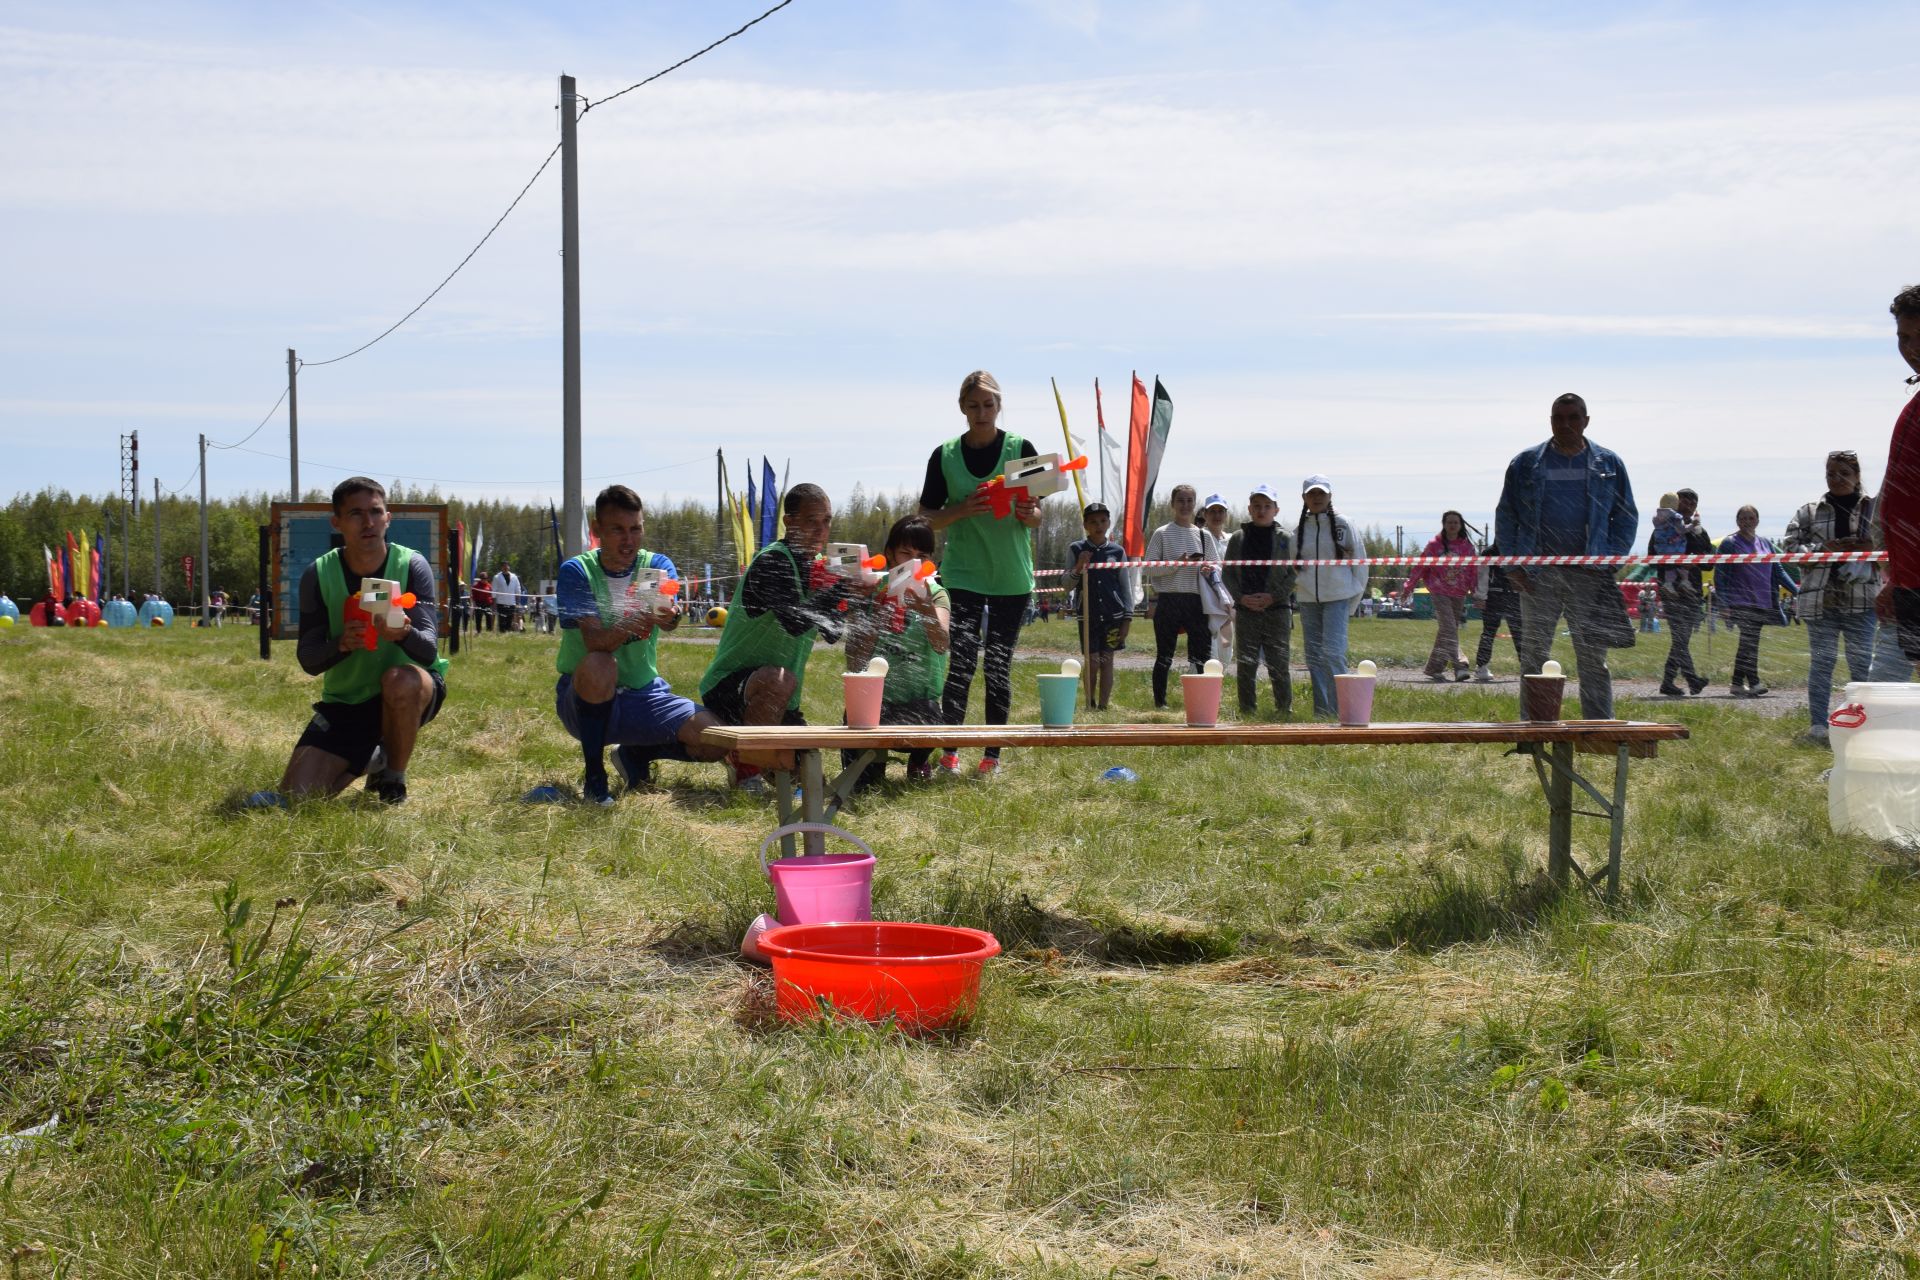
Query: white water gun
pixel 849 560
pixel 909 579
pixel 652 590
pixel 379 600
pixel 1030 478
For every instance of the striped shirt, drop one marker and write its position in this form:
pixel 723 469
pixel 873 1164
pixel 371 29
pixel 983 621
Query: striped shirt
pixel 1174 542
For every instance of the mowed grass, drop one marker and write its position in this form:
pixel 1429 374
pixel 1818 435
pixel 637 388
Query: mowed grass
pixel 1305 1012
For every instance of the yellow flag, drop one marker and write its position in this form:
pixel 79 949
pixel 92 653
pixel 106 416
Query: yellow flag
pixel 1073 450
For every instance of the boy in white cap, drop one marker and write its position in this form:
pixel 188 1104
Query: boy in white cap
pixel 1325 593
pixel 1263 627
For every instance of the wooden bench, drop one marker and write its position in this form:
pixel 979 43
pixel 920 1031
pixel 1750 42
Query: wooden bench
pixel 1549 744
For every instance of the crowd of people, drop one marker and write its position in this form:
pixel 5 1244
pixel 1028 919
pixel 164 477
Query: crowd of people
pixel 1567 496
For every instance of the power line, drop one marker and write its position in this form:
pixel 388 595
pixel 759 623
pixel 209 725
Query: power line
pixel 535 178
pixel 684 61
pixel 256 431
pixel 174 493
pixel 451 274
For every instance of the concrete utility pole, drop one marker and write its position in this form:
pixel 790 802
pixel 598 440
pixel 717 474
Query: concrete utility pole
pixel 293 427
pixel 156 535
pixel 570 319
pixel 719 503
pixel 206 592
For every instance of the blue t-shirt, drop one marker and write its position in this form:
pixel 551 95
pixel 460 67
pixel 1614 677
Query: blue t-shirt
pixel 575 593
pixel 1563 509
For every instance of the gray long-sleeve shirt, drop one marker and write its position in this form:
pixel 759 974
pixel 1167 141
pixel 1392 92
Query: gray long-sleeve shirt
pixel 318 651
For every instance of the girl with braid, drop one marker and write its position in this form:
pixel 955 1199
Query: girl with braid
pixel 1325 593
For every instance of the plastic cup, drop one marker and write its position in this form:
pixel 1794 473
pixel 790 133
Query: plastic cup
pixel 1353 697
pixel 1201 693
pixel 1058 694
pixel 1540 696
pixel 863 699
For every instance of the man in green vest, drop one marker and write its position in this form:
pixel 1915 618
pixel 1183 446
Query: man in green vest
pixel 779 608
pixel 610 689
pixel 373 700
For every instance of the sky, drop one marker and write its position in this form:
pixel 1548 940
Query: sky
pixel 1370 241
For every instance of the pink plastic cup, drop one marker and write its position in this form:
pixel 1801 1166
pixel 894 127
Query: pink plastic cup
pixel 1201 693
pixel 863 699
pixel 1353 697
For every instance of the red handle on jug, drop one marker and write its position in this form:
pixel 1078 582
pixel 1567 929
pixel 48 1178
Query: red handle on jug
pixel 1851 716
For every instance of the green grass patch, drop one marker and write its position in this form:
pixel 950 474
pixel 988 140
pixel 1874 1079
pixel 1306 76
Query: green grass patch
pixel 1260 1013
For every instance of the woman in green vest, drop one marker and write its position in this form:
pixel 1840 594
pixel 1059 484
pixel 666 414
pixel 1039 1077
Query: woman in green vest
pixel 988 564
pixel 913 635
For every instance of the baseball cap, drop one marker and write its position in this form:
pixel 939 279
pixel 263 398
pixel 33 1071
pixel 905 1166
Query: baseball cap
pixel 1094 509
pixel 1313 482
pixel 1265 491
pixel 1214 500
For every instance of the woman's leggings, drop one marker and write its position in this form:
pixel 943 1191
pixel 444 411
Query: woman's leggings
pixel 994 620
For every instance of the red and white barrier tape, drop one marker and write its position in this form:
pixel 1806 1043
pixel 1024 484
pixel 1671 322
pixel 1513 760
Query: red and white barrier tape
pixel 1510 562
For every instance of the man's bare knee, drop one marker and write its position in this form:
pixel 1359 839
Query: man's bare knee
pixel 690 738
pixel 406 686
pixel 596 678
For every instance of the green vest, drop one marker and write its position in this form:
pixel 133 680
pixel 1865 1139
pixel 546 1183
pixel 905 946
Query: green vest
pixel 746 643
pixel 914 671
pixel 356 678
pixel 634 660
pixel 992 557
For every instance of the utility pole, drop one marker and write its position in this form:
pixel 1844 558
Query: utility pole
pixel 719 503
pixel 570 317
pixel 156 535
pixel 293 427
pixel 206 592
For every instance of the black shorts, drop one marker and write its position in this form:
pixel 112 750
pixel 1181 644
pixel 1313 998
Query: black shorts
pixel 728 701
pixel 1108 635
pixel 351 730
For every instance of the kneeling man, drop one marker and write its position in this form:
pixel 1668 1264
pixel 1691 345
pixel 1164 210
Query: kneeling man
pixel 610 690
pixel 373 700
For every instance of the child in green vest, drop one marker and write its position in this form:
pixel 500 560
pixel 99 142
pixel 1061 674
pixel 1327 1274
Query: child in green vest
pixel 912 635
pixel 779 609
pixel 610 689
pixel 372 700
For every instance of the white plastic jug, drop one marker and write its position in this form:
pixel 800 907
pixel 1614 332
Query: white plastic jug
pixel 1874 789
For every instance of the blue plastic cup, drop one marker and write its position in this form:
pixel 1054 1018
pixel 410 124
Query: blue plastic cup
pixel 1058 694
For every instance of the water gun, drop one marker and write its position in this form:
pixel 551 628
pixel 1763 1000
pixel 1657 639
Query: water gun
pixel 1029 479
pixel 652 590
pixel 846 560
pixel 379 600
pixel 905 581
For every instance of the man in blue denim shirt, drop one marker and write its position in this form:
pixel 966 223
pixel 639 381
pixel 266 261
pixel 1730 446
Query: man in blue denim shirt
pixel 1569 497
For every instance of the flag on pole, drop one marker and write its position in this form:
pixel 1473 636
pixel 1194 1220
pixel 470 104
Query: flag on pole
pixel 99 566
pixel 742 532
pixel 56 585
pixel 769 503
pixel 1160 424
pixel 479 541
pixel 1111 476
pixel 753 512
pixel 460 530
pixel 1133 530
pixel 72 553
pixel 1073 446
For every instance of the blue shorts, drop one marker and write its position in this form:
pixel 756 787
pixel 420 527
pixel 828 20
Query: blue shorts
pixel 648 717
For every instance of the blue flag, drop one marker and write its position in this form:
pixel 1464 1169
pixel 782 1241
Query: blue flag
pixel 753 506
pixel 769 503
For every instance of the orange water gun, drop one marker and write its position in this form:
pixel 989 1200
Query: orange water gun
pixel 1029 480
pixel 378 600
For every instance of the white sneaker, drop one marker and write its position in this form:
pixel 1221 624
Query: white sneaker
pixel 1482 674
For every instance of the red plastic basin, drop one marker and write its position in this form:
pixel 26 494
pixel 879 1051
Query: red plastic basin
pixel 923 976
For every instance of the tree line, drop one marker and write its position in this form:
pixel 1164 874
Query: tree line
pixel 521 532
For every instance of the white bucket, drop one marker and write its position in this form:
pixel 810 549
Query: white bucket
pixel 1874 789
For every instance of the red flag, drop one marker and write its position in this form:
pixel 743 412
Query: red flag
pixel 1133 534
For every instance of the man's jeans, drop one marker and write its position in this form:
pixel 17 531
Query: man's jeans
pixel 1890 666
pixel 1579 594
pixel 1823 638
pixel 1323 628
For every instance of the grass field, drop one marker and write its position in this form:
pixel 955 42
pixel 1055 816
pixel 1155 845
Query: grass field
pixel 1290 1013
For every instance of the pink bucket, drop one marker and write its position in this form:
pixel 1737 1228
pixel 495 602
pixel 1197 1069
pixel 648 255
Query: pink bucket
pixel 822 888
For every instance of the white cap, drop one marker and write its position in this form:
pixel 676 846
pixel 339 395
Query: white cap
pixel 1313 482
pixel 1264 491
pixel 1214 500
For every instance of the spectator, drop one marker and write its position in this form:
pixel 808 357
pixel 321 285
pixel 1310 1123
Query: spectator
pixel 1176 602
pixel 482 603
pixel 1749 594
pixel 1107 600
pixel 1449 588
pixel 988 562
pixel 1569 497
pixel 1899 515
pixel 1677 531
pixel 1836 600
pixel 1325 593
pixel 1497 601
pixel 506 597
pixel 1262 603
pixel 1215 601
